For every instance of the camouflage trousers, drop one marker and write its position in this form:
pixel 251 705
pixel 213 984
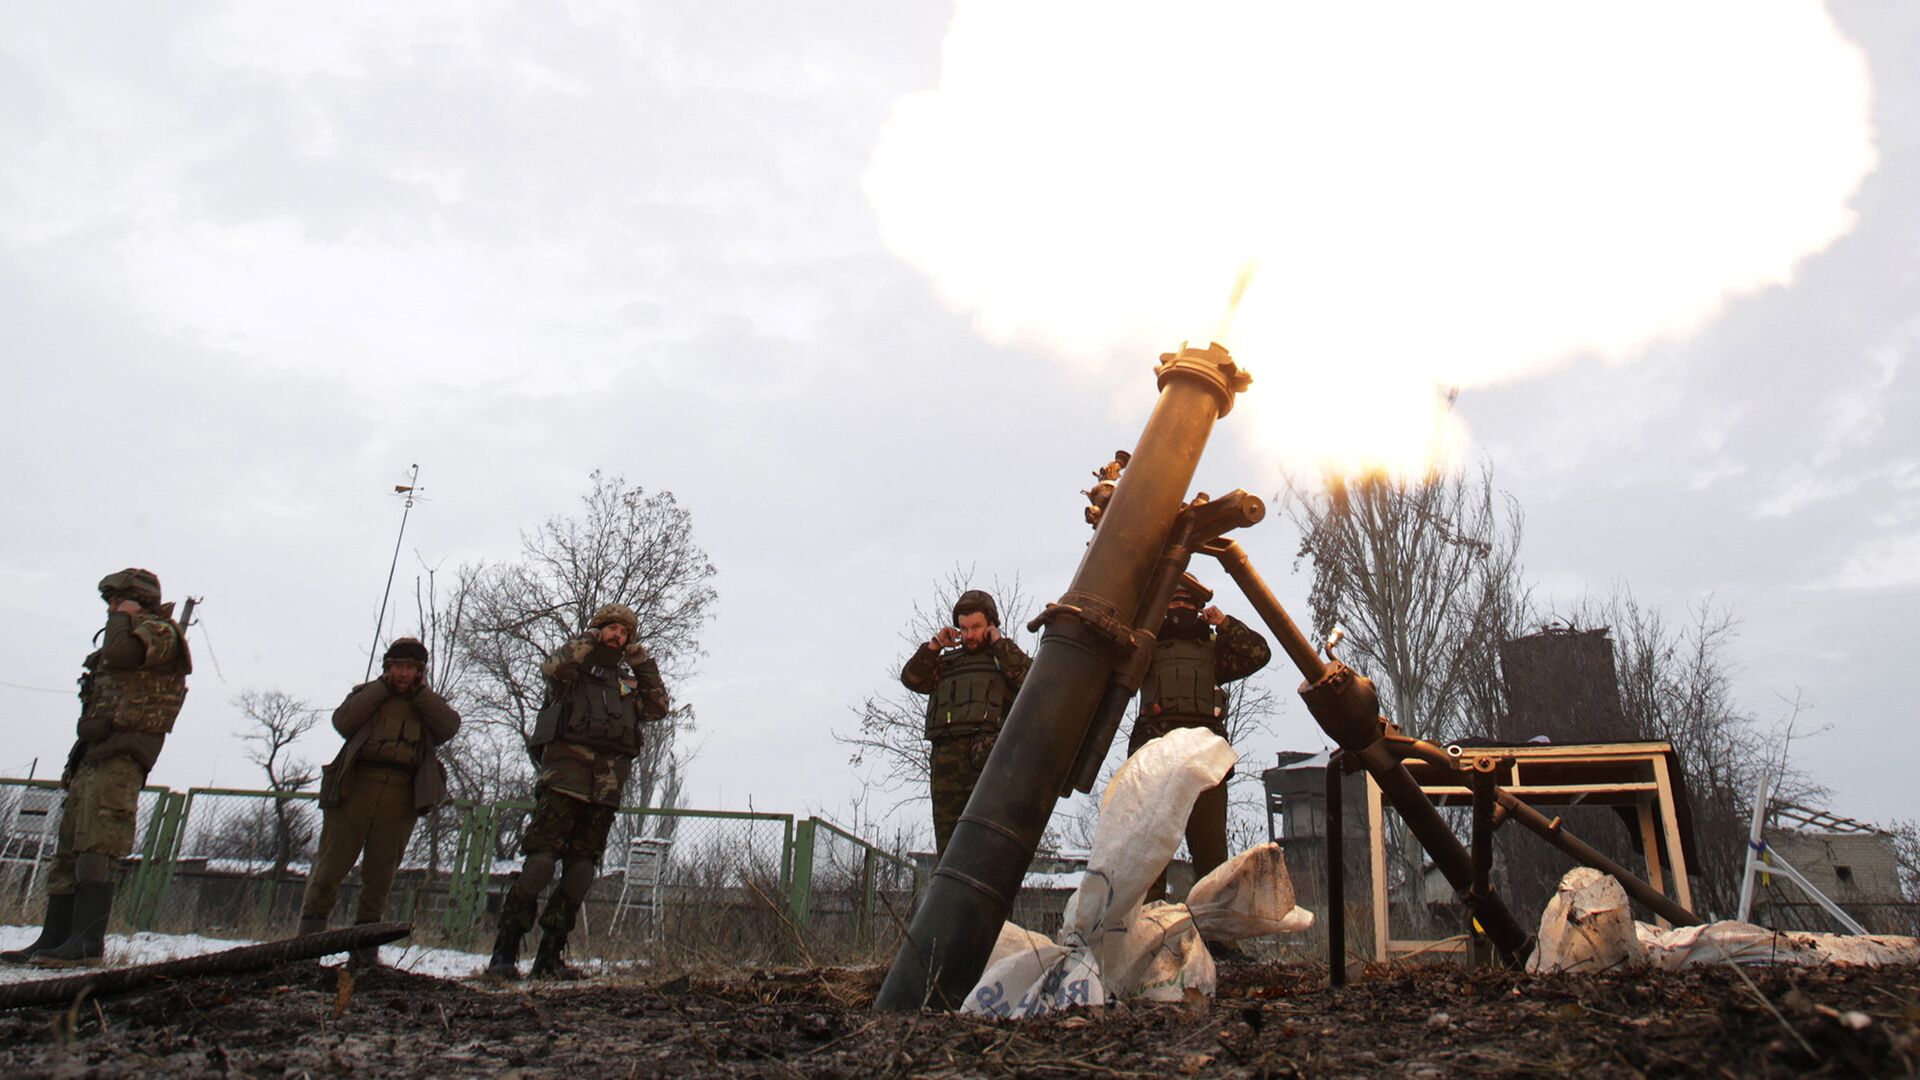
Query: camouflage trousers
pixel 954 770
pixel 566 830
pixel 98 817
pixel 1207 824
pixel 375 818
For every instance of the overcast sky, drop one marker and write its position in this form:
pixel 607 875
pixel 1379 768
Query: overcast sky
pixel 255 262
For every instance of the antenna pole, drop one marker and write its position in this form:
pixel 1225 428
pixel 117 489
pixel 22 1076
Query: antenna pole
pixel 412 484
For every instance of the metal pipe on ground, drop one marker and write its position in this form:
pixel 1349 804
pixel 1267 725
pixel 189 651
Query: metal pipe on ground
pixel 1550 831
pixel 104 982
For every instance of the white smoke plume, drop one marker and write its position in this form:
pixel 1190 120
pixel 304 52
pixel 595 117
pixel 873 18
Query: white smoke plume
pixel 1435 195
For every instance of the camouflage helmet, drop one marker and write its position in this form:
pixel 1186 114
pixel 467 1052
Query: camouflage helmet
pixel 616 613
pixel 141 585
pixel 976 601
pixel 405 650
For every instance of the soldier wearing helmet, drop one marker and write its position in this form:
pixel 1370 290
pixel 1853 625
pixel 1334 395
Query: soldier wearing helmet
pixel 134 685
pixel 970 673
pixel 584 742
pixel 386 776
pixel 1196 653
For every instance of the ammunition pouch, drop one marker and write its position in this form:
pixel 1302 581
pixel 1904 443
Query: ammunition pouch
pixel 971 697
pixel 1180 683
pixel 592 711
pixel 146 702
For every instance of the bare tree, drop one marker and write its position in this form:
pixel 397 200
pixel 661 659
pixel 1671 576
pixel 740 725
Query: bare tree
pixel 889 736
pixel 1424 577
pixel 276 721
pixel 1676 687
pixel 502 619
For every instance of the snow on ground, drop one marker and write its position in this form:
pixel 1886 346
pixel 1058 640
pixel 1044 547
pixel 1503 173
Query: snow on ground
pixel 127 950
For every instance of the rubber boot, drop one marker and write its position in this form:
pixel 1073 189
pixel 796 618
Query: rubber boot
pixel 547 963
pixel 311 926
pixel 54 931
pixel 92 903
pixel 506 953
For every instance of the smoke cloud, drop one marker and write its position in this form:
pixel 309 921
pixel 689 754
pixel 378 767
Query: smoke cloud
pixel 1435 195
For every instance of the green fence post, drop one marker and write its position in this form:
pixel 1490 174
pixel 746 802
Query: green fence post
pixel 869 890
pixel 473 866
pixel 157 856
pixel 800 892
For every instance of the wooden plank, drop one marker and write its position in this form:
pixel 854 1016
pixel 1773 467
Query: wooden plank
pixel 1676 854
pixel 1650 843
pixel 1377 857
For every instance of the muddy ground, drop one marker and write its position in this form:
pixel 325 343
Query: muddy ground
pixel 1269 1020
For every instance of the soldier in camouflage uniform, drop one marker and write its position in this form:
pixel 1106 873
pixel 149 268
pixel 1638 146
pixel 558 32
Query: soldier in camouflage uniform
pixel 386 776
pixel 969 692
pixel 1196 653
pixel 584 743
pixel 133 688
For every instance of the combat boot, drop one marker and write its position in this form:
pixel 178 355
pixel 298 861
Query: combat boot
pixel 55 930
pixel 506 953
pixel 364 957
pixel 547 963
pixel 92 903
pixel 311 926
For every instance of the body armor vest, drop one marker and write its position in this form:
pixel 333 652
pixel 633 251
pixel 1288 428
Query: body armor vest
pixel 592 711
pixel 146 699
pixel 971 697
pixel 1180 682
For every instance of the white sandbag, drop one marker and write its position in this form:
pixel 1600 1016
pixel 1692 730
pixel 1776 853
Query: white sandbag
pixel 1745 943
pixel 1143 817
pixel 1160 958
pixel 1014 939
pixel 1035 982
pixel 1249 895
pixel 1588 926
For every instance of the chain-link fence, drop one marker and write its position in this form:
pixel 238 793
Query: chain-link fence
pixel 695 884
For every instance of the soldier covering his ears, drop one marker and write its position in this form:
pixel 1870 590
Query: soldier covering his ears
pixel 386 776
pixel 1197 652
pixel 134 686
pixel 969 691
pixel 584 742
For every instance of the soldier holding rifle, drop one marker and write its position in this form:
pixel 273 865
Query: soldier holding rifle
pixel 134 686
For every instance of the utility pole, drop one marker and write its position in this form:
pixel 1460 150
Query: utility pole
pixel 408 489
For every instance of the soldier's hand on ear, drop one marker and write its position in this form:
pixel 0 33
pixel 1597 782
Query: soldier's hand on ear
pixel 636 654
pixel 946 638
pixel 1214 616
pixel 993 634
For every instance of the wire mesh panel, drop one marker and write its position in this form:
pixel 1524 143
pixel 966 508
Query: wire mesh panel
pixel 240 865
pixel 858 892
pixel 702 885
pixel 718 886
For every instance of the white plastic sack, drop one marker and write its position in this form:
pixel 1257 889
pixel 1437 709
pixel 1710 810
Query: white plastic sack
pixel 1014 939
pixel 1588 926
pixel 1745 943
pixel 1036 981
pixel 1143 817
pixel 1160 958
pixel 1249 895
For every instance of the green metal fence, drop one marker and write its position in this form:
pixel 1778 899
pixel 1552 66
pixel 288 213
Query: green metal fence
pixel 228 862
